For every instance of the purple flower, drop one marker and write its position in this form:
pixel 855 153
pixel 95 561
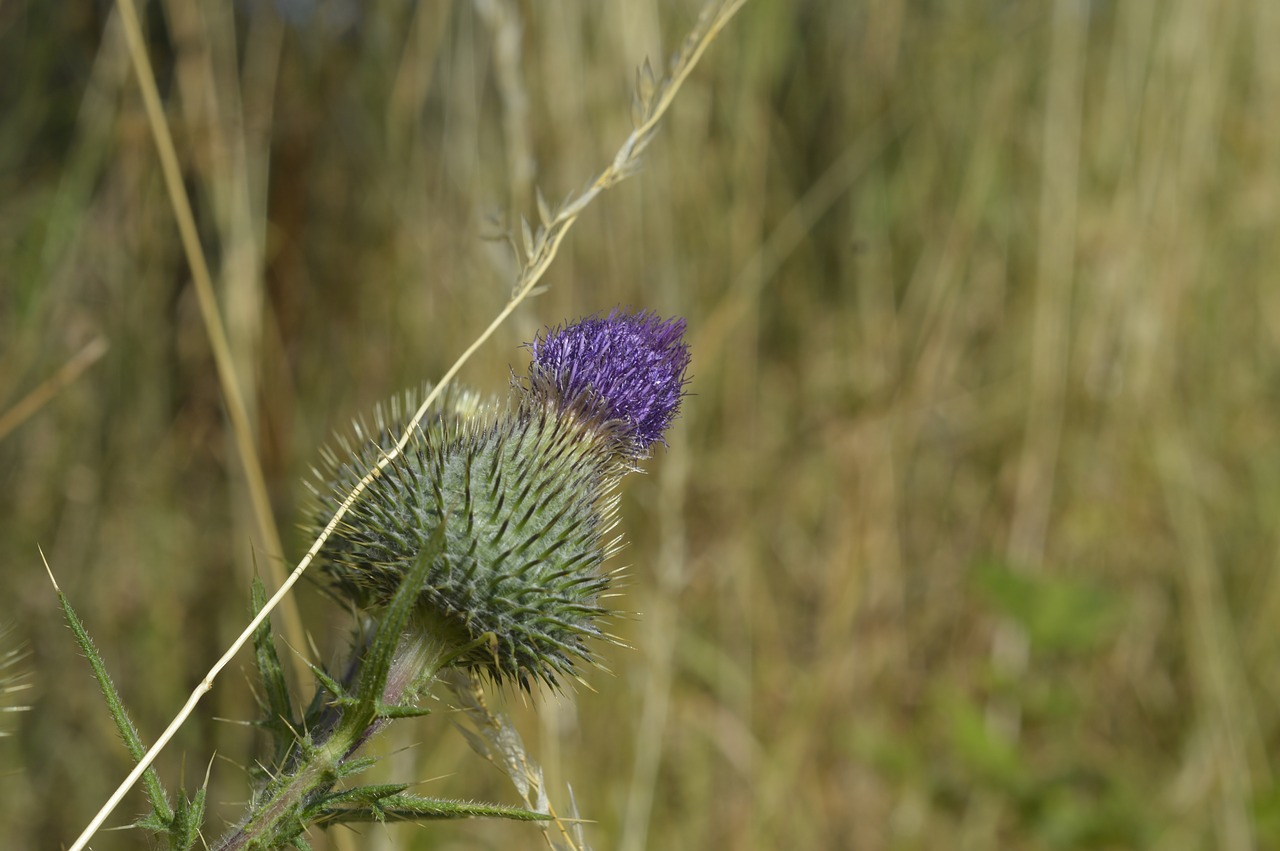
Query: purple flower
pixel 627 368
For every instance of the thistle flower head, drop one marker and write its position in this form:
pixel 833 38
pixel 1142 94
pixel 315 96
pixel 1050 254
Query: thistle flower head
pixel 512 508
pixel 627 368
pixel 525 506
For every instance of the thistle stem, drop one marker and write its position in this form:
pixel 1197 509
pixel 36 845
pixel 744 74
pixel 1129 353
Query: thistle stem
pixel 292 800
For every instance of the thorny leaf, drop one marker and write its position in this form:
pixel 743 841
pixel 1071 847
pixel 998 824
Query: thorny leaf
pixel 156 795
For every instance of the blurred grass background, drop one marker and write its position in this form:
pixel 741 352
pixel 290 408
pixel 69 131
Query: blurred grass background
pixel 966 537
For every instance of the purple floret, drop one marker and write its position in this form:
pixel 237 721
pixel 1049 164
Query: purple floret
pixel 628 367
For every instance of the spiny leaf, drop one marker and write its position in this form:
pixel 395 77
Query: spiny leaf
pixel 156 795
pixel 332 686
pixel 184 831
pixel 370 794
pixel 393 711
pixel 279 706
pixel 352 766
pixel 402 807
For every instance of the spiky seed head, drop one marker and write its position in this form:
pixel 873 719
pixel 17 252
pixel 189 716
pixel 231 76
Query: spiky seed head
pixel 624 368
pixel 527 505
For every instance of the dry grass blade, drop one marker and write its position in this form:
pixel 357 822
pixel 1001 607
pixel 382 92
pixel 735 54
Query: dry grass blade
pixel 39 397
pixel 649 113
pixel 503 20
pixel 232 394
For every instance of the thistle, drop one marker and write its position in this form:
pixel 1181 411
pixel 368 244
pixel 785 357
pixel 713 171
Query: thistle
pixel 524 498
pixel 479 546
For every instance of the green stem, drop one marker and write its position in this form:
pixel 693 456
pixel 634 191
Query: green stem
pixel 284 810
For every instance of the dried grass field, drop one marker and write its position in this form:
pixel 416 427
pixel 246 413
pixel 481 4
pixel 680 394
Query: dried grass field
pixel 966 537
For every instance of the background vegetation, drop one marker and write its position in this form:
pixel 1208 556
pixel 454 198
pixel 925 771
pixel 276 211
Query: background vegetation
pixel 966 538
